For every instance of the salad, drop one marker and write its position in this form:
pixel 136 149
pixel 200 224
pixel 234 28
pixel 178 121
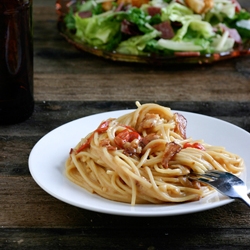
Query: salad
pixel 159 27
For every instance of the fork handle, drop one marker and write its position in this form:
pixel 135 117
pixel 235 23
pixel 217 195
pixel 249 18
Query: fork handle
pixel 245 198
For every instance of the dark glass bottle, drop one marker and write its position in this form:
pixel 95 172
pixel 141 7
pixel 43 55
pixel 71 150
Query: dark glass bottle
pixel 16 61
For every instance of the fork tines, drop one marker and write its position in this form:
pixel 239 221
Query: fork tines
pixel 208 176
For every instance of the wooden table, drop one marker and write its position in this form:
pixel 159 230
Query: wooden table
pixel 69 84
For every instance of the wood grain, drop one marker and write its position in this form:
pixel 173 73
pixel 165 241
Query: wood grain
pixel 26 205
pixel 75 75
pixel 69 84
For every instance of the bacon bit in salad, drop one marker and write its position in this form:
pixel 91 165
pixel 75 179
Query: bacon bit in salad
pixel 237 6
pixel 200 6
pixel 233 33
pixel 166 30
pixel 152 10
pixel 129 28
pixel 119 7
pixel 194 145
pixel 101 129
pixel 181 124
pixel 176 24
pixel 171 150
pixel 85 14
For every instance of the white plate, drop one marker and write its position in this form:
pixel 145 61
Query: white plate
pixel 47 159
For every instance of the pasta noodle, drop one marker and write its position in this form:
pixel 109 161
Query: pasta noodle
pixel 145 157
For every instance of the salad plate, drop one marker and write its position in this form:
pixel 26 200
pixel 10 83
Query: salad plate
pixel 47 164
pixel 199 49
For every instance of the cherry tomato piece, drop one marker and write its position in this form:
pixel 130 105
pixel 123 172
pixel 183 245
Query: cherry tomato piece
pixel 101 129
pixel 126 136
pixel 194 145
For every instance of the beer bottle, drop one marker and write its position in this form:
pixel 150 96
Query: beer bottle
pixel 16 61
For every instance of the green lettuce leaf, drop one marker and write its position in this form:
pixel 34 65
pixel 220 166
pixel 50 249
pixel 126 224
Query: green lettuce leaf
pixel 193 29
pixel 136 45
pixel 179 45
pixel 240 22
pixel 220 11
pixel 140 18
pixel 222 43
pixel 175 12
pixel 70 20
pixel 101 31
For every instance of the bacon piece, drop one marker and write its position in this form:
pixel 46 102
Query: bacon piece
pixel 119 7
pixel 150 137
pixel 237 5
pixel 149 121
pixel 233 33
pixel 166 30
pixel 152 10
pixel 171 150
pixel 132 148
pixel 129 28
pixel 85 14
pixel 129 151
pixel 181 124
pixel 106 143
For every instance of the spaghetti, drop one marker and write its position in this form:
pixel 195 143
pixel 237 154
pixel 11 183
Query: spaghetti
pixel 145 157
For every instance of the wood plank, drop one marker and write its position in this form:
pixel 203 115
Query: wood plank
pixel 74 75
pixel 38 209
pixel 26 205
pixel 69 85
pixel 138 238
pixel 108 85
pixel 49 115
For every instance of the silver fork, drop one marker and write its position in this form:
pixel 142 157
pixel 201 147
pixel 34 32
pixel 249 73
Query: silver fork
pixel 224 182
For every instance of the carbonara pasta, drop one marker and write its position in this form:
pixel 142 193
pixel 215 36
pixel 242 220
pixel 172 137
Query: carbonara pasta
pixel 145 157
